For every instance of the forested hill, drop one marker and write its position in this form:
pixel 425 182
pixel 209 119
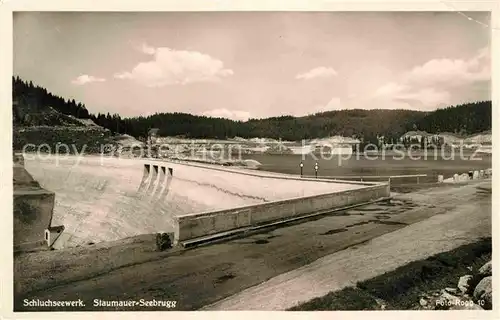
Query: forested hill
pixel 466 119
pixel 463 119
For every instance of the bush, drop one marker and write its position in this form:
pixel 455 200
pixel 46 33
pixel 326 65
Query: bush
pixel 163 241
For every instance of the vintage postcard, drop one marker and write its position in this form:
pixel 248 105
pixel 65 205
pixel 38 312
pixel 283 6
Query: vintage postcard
pixel 224 157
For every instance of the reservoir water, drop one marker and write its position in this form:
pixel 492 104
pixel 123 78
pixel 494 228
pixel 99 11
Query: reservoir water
pixel 432 164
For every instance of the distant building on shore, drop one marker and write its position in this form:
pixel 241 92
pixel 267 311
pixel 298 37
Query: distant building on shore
pixel 335 145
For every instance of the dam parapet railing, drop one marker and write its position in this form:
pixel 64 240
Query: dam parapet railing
pixel 266 174
pixel 388 178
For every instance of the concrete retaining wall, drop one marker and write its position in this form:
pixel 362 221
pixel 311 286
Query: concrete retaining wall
pixel 33 207
pixel 210 223
pixel 32 215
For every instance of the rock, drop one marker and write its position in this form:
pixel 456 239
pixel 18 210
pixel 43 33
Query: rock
pixel 425 296
pixel 464 177
pixel 381 303
pixel 440 178
pixel 475 175
pixel 463 283
pixel 451 290
pixel 423 302
pixel 486 269
pixel 483 292
pixel 252 164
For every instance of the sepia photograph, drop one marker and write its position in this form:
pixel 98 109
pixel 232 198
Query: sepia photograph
pixel 251 160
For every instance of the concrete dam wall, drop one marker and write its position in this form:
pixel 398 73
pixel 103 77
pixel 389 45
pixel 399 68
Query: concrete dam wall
pixel 104 199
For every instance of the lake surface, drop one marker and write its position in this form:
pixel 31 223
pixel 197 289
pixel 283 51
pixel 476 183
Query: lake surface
pixel 433 165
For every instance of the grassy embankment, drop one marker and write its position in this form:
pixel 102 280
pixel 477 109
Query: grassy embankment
pixel 400 289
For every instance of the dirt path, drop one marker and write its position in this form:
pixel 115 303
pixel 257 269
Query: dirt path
pixel 463 224
pixel 205 275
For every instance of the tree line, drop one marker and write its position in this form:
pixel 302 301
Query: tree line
pixel 463 119
pixel 366 125
pixel 35 99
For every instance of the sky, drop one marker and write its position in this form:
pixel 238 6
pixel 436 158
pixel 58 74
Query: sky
pixel 242 65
